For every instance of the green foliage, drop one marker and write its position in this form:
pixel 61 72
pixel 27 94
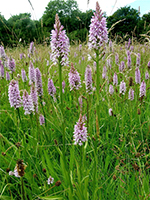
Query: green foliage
pixel 22 29
pixel 4 31
pixel 127 26
pixel 65 10
pixel 70 16
pixel 145 23
pixel 78 35
pixel 123 158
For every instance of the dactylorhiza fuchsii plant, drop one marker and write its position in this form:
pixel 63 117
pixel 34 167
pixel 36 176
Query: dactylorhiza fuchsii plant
pixel 128 59
pixel 38 82
pixel 122 87
pixel 59 44
pixel 137 75
pixel 2 52
pixel 111 89
pixel 41 119
pixel 146 75
pixel 88 80
pixel 138 59
pixel 117 59
pixel 34 96
pixel 23 75
pixel 7 76
pixel 121 66
pixel 39 88
pixel 80 132
pixel 1 70
pixel 51 88
pixel 11 65
pixel 131 94
pixel 27 103
pixel 74 79
pixel 115 79
pixel 31 48
pixel 143 89
pixel 98 37
pixel 31 73
pixel 60 48
pixel 14 95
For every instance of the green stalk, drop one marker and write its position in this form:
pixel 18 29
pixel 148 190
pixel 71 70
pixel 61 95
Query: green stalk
pixel 19 117
pixel 97 126
pixel 81 159
pixel 32 130
pixel 98 58
pixel 88 113
pixel 61 106
pixel 22 190
pixel 37 126
pixel 66 170
pixel 95 171
pixel 43 111
pixel 97 87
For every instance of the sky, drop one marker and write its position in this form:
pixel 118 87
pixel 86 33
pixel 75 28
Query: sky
pixel 15 7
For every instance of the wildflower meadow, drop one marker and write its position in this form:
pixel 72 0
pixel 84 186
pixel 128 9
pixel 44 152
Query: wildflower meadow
pixel 75 119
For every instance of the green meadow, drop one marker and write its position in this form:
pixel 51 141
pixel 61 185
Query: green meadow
pixel 113 163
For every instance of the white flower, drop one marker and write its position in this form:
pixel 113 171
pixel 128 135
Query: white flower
pixel 50 180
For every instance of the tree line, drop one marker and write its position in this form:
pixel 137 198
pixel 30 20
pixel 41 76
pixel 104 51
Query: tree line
pixel 22 29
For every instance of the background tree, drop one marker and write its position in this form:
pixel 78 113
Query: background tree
pixel 130 23
pixel 4 31
pixel 53 7
pixel 22 27
pixel 75 22
pixel 145 23
pixel 82 27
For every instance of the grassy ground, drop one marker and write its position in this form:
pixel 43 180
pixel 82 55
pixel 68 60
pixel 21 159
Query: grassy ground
pixel 122 147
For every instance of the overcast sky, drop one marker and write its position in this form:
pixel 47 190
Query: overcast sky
pixel 14 7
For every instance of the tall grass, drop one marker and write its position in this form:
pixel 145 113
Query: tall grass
pixel 122 150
